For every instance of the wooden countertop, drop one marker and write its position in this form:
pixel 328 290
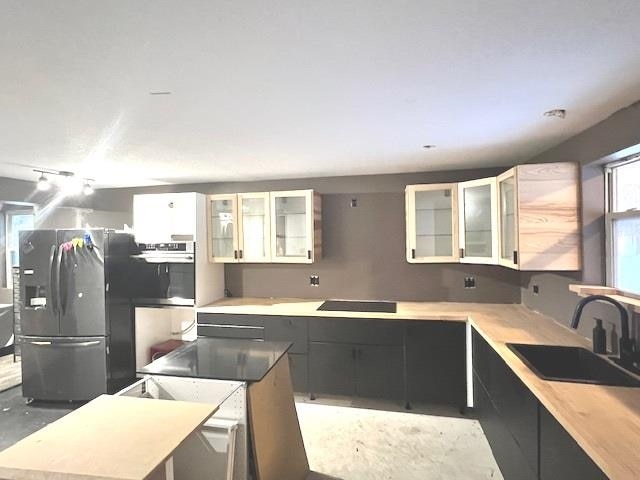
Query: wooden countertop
pixel 604 421
pixel 111 437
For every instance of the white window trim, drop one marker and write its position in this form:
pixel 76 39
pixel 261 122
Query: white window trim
pixel 611 215
pixel 7 230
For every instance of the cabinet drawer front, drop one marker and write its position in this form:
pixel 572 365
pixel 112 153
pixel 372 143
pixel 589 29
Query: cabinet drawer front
pixel 230 331
pixel 358 331
pixel 226 319
pixel 288 329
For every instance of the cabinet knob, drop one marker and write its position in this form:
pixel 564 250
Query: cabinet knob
pixel 235 254
pixel 240 254
pixel 309 254
pixel 413 253
pixel 462 253
pixel 515 257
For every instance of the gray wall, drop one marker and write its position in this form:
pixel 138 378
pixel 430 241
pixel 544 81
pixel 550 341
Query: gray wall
pixel 614 138
pixel 364 247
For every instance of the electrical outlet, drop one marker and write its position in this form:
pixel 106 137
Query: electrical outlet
pixel 469 282
pixel 314 280
pixel 354 202
pixel 536 290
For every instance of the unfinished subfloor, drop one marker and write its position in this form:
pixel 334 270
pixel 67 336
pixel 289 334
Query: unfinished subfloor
pixel 344 439
pixel 358 441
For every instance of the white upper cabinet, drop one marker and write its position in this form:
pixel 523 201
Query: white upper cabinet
pixel 222 222
pixel 165 217
pixel 295 226
pixel 508 219
pixel 478 217
pixel 254 226
pixel 432 223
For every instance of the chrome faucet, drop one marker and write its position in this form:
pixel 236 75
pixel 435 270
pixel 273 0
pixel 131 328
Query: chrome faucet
pixel 627 354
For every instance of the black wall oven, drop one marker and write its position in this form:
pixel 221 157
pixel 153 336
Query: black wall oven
pixel 164 274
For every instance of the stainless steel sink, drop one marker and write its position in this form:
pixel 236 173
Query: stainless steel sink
pixel 571 364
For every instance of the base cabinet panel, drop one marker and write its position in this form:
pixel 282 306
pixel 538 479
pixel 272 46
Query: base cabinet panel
pixel 298 364
pixel 379 371
pixel 560 455
pixel 436 362
pixel 332 368
pixel 509 457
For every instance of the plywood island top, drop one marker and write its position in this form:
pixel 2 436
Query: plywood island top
pixel 604 421
pixel 109 438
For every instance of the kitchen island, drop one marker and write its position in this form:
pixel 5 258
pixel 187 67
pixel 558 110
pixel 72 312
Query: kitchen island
pixel 586 414
pixel 252 383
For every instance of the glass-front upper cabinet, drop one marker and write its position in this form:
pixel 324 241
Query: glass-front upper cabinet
pixel 295 217
pixel 254 227
pixel 508 218
pixel 432 223
pixel 478 221
pixel 222 217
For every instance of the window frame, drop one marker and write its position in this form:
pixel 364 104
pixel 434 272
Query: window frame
pixel 611 215
pixel 7 215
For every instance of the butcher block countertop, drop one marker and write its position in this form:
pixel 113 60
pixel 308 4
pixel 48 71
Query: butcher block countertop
pixel 604 421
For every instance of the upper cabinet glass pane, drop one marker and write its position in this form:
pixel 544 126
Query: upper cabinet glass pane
pixel 507 189
pixel 291 226
pixel 222 228
pixel 477 221
pixel 434 228
pixel 254 219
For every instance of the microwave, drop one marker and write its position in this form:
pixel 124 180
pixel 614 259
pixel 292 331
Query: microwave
pixel 163 274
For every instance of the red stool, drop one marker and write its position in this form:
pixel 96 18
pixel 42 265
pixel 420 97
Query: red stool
pixel 160 349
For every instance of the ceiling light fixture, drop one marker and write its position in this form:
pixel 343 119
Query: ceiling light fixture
pixel 556 112
pixel 429 146
pixel 43 182
pixel 87 189
pixel 69 184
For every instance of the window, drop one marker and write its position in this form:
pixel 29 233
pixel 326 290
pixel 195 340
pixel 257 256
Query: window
pixel 17 220
pixel 623 226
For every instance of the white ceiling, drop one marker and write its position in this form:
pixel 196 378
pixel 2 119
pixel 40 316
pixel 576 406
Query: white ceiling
pixel 300 88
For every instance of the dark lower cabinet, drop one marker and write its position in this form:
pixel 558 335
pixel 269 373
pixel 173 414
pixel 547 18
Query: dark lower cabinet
pixel 372 371
pixel 332 368
pixel 298 366
pixel 380 371
pixel 560 456
pixel 506 451
pixel 436 362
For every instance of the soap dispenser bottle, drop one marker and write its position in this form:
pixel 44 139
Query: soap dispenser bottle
pixel 599 338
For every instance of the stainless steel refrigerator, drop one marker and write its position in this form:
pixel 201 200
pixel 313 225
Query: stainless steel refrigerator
pixel 77 337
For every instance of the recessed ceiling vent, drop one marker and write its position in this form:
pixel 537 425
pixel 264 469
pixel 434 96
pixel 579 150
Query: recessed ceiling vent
pixel 556 112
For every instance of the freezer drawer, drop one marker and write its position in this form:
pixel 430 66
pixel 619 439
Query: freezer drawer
pixel 64 368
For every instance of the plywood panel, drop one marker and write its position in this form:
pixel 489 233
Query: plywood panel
pixel 549 226
pixel 111 437
pixel 277 444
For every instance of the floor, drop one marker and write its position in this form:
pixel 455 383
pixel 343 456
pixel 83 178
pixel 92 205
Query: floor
pixel 378 440
pixel 344 439
pixel 10 374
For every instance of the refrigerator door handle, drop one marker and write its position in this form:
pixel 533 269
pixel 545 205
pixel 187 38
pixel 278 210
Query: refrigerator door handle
pixel 52 257
pixel 58 269
pixel 78 344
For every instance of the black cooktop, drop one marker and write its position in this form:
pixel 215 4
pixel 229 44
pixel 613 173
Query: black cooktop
pixel 358 306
